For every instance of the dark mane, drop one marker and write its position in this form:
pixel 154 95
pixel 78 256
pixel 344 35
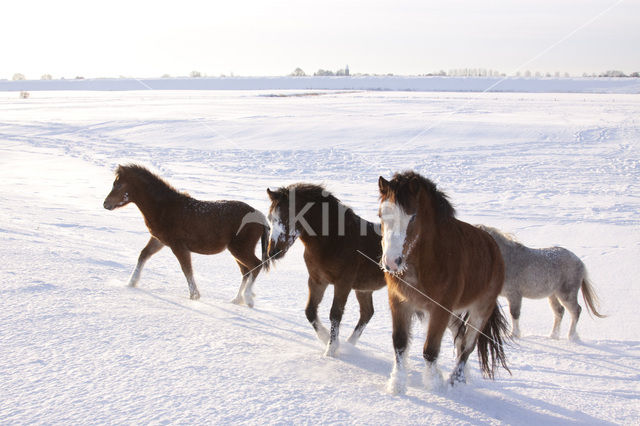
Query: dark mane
pixel 400 187
pixel 312 193
pixel 154 183
pixel 309 192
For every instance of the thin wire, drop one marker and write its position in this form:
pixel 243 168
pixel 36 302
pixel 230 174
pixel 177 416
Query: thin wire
pixel 432 300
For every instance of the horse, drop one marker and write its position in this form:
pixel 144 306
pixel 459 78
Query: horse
pixel 438 266
pixel 552 272
pixel 188 225
pixel 333 235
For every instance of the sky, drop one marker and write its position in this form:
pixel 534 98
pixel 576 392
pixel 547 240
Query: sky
pixel 69 38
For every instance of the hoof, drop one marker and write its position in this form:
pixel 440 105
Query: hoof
pixel 353 340
pixel 194 296
pixel 574 338
pixel 396 387
pixel 554 336
pixel 132 284
pixel 331 350
pixel 433 379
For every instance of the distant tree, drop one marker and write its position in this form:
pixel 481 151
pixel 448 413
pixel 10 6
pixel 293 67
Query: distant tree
pixel 323 73
pixel 18 76
pixel 635 74
pixel 79 77
pixel 165 76
pixel 298 72
pixel 45 77
pixel 195 74
pixel 612 73
pixel 527 74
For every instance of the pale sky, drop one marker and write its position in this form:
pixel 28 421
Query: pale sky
pixel 257 37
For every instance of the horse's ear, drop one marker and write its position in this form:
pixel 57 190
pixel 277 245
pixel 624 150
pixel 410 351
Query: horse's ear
pixel 383 185
pixel 273 195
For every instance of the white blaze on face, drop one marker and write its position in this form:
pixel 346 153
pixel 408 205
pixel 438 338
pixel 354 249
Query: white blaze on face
pixel 395 222
pixel 277 228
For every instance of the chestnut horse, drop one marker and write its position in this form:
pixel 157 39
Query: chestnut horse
pixel 188 225
pixel 446 268
pixel 332 235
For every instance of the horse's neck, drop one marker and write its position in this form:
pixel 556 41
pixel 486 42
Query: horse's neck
pixel 150 206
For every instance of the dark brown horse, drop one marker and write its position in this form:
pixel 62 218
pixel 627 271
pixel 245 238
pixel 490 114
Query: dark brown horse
pixel 332 235
pixel 441 266
pixel 188 225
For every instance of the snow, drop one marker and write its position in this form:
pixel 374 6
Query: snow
pixel 78 345
pixel 419 84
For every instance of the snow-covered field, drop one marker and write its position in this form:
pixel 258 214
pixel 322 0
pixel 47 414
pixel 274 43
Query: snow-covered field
pixel 78 346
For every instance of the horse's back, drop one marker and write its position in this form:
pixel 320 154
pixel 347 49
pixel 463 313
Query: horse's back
pixel 207 227
pixel 538 272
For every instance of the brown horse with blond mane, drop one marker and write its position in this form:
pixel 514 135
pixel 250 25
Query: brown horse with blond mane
pixel 443 267
pixel 187 225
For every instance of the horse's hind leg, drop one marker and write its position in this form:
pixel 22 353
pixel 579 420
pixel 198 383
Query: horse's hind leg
pixel 465 343
pixel 558 312
pixel 239 299
pixel 184 257
pixel 365 299
pixel 244 253
pixel 515 303
pixel 571 303
pixel 153 246
pixel 316 292
pixel 401 321
pixel 340 296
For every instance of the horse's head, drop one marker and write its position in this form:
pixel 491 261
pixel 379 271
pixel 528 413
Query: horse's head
pixel 398 222
pixel 283 233
pixel 119 195
pixel 409 204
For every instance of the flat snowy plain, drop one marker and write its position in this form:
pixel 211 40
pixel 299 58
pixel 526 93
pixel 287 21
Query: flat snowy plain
pixel 78 346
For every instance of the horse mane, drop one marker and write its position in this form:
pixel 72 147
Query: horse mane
pixel 505 236
pixel 399 184
pixel 313 193
pixel 154 184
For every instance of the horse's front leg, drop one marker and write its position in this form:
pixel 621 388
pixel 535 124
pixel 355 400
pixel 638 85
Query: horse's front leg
pixel 153 246
pixel 184 257
pixel 316 292
pixel 438 321
pixel 340 296
pixel 401 321
pixel 365 299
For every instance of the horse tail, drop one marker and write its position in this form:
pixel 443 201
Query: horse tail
pixel 264 243
pixel 590 298
pixel 491 343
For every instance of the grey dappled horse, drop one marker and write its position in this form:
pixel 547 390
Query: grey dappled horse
pixel 552 272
